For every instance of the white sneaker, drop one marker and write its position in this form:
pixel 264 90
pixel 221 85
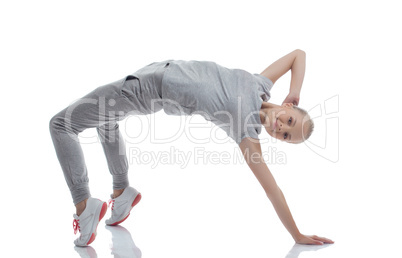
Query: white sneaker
pixel 122 205
pixel 88 221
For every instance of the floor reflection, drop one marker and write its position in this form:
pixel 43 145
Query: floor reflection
pixel 297 249
pixel 123 246
pixel 122 243
pixel 86 252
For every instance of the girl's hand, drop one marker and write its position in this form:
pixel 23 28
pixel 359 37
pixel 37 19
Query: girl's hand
pixel 312 240
pixel 292 98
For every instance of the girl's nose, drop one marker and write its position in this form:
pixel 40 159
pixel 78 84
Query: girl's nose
pixel 280 125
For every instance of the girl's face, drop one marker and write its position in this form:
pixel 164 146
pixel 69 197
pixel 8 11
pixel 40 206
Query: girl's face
pixel 286 124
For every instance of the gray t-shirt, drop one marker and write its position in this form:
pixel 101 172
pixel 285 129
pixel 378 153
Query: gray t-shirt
pixel 229 98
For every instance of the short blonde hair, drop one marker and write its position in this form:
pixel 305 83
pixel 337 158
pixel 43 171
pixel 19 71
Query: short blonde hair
pixel 309 121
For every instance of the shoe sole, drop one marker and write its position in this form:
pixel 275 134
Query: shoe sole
pixel 101 215
pixel 136 200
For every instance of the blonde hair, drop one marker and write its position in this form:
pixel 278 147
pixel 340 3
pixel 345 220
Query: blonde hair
pixel 308 120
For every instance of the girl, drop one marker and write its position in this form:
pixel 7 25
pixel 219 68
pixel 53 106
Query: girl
pixel 233 99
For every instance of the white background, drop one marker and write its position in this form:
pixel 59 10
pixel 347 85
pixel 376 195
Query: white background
pixel 53 52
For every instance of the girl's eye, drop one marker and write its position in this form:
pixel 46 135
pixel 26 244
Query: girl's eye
pixel 290 120
pixel 285 136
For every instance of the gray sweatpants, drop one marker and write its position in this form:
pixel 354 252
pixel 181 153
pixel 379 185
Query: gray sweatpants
pixel 136 94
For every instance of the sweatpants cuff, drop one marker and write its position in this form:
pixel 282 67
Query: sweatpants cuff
pixel 120 181
pixel 80 193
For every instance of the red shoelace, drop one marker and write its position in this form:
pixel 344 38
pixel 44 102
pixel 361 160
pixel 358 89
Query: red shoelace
pixel 111 201
pixel 76 225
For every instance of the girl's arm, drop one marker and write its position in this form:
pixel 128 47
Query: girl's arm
pixel 294 61
pixel 252 153
pixel 251 150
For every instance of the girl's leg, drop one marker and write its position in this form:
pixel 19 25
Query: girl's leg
pixel 105 105
pixel 115 151
pixel 102 109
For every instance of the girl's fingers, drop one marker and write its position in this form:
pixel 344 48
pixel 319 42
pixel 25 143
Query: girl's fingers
pixel 322 239
pixel 326 240
pixel 313 241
